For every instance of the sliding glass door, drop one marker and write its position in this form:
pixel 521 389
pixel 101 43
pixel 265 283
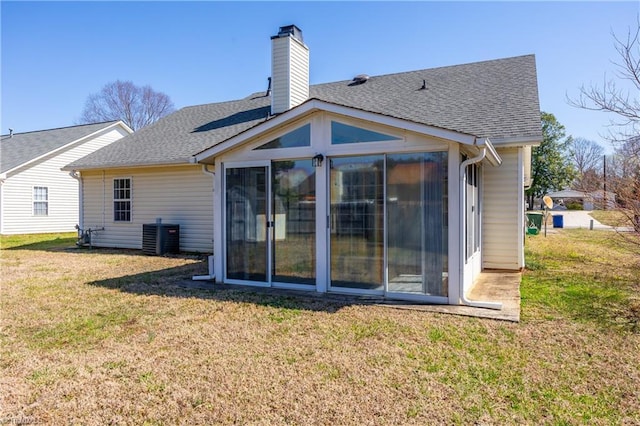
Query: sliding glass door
pixel 357 222
pixel 417 225
pixel 294 218
pixel 388 223
pixel 271 222
pixel 246 223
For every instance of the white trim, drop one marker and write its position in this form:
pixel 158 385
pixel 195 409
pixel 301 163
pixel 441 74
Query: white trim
pixel 424 298
pixel 314 105
pixel 521 207
pixel 64 147
pixel 515 142
pixel 358 291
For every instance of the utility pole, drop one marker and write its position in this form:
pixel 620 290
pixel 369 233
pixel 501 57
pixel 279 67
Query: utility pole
pixel 604 162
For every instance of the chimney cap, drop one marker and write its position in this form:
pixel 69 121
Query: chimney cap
pixel 289 31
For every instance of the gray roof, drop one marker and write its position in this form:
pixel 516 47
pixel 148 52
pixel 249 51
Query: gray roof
pixel 496 99
pixel 24 147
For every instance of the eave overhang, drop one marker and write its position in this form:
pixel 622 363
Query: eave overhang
pixel 314 105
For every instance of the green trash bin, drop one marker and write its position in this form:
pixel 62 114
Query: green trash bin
pixel 534 220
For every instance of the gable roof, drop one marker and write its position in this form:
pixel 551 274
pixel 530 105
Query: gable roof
pixel 492 99
pixel 24 147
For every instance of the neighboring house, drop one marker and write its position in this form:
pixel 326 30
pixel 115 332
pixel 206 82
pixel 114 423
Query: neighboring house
pixel 404 185
pixel 36 196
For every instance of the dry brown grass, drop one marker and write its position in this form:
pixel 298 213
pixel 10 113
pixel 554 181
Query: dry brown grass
pixel 107 337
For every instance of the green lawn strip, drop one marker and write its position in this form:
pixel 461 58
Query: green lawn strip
pixel 577 274
pixel 38 241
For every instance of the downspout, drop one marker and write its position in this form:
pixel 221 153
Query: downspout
pixel 211 275
pixel 104 200
pixel 77 176
pixel 461 192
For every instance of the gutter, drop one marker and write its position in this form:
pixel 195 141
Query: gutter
pixel 211 275
pixel 461 192
pixel 77 176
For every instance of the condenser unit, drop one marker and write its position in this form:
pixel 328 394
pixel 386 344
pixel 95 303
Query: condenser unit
pixel 160 238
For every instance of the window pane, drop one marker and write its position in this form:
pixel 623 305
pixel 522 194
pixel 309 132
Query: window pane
pixel 297 138
pixel 122 200
pixel 40 208
pixel 246 223
pixel 294 218
pixel 40 201
pixel 357 243
pixel 417 223
pixel 343 134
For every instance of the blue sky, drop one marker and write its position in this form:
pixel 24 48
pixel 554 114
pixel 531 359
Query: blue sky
pixel 54 54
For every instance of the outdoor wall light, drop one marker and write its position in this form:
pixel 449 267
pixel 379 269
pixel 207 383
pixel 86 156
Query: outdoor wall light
pixel 317 160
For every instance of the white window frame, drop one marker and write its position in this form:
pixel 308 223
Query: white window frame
pixel 36 200
pixel 129 200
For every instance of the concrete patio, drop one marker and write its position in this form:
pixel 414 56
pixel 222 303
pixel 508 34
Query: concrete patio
pixel 493 286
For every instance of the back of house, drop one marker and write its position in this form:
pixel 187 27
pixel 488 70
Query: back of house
pixel 404 185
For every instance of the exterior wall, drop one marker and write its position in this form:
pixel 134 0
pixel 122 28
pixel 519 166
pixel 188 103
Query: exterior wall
pixel 17 190
pixel 290 73
pixel 178 195
pixel 503 210
pixel 244 155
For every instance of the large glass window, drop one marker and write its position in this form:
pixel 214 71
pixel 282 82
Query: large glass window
pixel 246 223
pixel 294 222
pixel 417 223
pixel 472 210
pixel 122 200
pixel 357 222
pixel 296 138
pixel 40 201
pixel 344 134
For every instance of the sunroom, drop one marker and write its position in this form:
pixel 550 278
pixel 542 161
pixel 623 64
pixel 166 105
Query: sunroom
pixel 329 198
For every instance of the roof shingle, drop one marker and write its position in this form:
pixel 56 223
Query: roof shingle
pixel 497 99
pixel 24 147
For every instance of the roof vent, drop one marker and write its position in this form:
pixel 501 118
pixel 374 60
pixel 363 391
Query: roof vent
pixel 359 79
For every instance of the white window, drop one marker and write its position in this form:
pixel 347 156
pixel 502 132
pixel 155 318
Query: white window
pixel 122 200
pixel 40 201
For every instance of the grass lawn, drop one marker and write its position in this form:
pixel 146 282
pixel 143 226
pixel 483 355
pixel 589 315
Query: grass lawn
pixel 106 337
pixel 611 217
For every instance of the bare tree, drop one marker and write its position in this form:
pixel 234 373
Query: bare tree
pixel 586 156
pixel 122 100
pixel 625 180
pixel 622 102
pixel 614 97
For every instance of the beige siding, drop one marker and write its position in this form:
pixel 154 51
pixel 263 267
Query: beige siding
pixel 179 195
pixel 17 207
pixel 502 210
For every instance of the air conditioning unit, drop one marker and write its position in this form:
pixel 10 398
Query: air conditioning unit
pixel 160 238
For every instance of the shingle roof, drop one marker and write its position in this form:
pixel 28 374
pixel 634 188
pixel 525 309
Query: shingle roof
pixel 496 99
pixel 24 147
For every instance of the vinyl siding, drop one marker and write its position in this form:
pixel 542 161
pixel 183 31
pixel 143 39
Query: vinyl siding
pixel 502 200
pixel 290 74
pixel 180 195
pixel 17 190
